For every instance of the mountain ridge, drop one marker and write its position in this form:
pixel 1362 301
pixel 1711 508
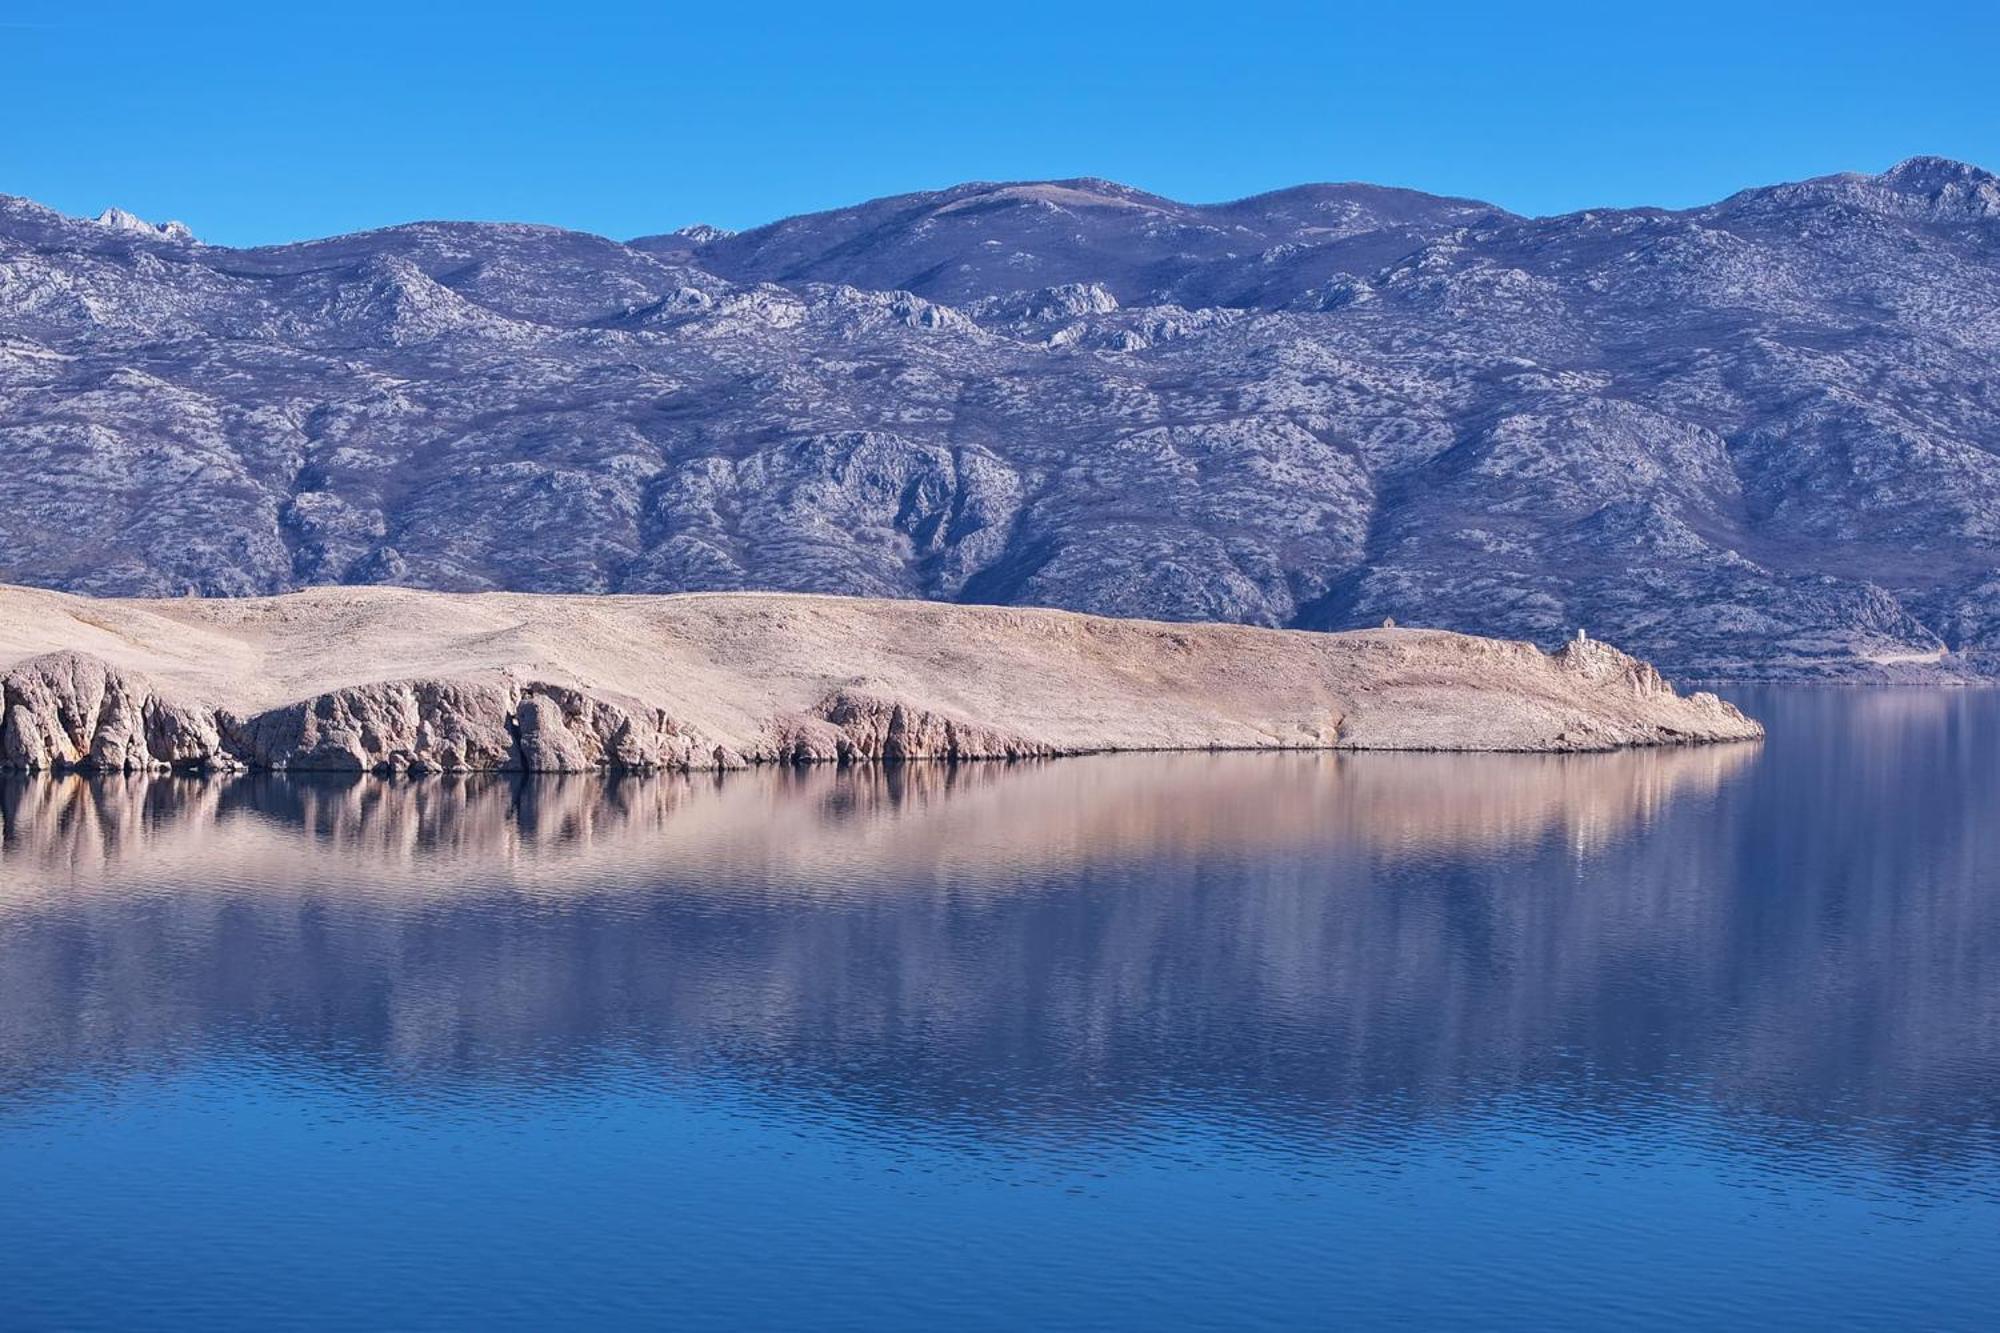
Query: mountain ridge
pixel 1759 437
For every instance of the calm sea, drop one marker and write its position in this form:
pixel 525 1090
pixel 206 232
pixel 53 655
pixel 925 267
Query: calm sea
pixel 1694 1038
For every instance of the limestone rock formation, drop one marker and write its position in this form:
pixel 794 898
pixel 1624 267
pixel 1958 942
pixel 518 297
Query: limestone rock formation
pixel 424 725
pixel 377 680
pixel 68 711
pixel 71 710
pixel 1756 438
pixel 850 726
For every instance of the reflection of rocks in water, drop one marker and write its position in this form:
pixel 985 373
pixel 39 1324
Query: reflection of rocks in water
pixel 1284 937
pixel 565 834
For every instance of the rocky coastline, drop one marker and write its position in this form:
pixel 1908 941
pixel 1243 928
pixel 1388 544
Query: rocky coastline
pixel 522 683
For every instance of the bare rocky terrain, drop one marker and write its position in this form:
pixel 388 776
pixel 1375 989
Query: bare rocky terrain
pixel 1755 439
pixel 392 680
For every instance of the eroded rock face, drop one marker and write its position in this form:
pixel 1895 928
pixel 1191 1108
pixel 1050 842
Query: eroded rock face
pixel 851 726
pixel 819 681
pixel 565 730
pixel 70 711
pixel 1600 661
pixel 405 725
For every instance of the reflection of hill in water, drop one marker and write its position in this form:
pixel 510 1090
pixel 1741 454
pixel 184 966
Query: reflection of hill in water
pixel 790 829
pixel 1806 930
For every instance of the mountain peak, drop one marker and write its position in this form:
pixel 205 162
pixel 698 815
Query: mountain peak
pixel 1078 192
pixel 1926 172
pixel 701 233
pixel 117 219
pixel 1938 189
pixel 1949 189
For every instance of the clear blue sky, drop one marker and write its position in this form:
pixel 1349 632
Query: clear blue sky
pixel 290 118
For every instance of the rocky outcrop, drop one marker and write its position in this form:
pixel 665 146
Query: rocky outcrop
pixel 1601 663
pixel 514 683
pixel 559 729
pixel 415 726
pixel 851 727
pixel 68 711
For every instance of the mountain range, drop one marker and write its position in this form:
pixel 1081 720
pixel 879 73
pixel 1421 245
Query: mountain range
pixel 1759 438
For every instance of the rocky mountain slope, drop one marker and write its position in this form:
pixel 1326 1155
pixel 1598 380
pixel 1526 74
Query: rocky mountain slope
pixel 1756 438
pixel 357 679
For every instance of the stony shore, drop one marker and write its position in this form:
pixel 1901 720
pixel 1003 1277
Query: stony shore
pixel 391 680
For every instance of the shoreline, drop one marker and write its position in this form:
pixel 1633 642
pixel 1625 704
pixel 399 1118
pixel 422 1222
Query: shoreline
pixel 389 680
pixel 391 772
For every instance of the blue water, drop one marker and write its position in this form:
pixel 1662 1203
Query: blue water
pixel 1691 1038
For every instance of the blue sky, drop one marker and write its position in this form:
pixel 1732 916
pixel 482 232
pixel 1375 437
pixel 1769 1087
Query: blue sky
pixel 276 121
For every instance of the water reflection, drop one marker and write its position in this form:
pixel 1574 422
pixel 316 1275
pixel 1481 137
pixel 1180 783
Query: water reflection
pixel 1803 937
pixel 792 828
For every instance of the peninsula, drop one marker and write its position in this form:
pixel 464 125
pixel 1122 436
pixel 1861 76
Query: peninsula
pixel 361 679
